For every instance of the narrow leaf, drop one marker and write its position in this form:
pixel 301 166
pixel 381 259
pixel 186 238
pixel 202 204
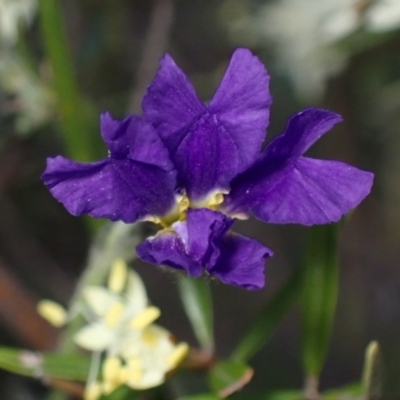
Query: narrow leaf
pixel 373 372
pixel 76 120
pixel 319 294
pixel 227 377
pixel 269 319
pixel 196 300
pixel 205 396
pixel 34 364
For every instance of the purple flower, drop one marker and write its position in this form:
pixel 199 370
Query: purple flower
pixel 193 167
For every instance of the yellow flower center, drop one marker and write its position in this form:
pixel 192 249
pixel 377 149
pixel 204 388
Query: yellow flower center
pixel 178 213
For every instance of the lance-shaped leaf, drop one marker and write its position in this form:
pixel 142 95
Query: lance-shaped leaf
pixel 227 377
pixel 373 373
pixel 34 364
pixel 196 300
pixel 320 285
pixel 269 319
pixel 76 115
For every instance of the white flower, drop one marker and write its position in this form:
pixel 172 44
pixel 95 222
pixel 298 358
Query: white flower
pixel 12 13
pixel 33 101
pixel 115 312
pixel 383 15
pixel 304 34
pixel 120 325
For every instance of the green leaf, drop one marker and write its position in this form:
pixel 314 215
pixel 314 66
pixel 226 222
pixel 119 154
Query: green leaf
pixel 34 364
pixel 205 396
pixel 76 116
pixel 196 300
pixel 319 295
pixel 349 392
pixel 122 393
pixel 227 377
pixel 285 395
pixel 269 319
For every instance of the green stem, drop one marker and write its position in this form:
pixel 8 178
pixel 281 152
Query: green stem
pixel 74 123
pixel 197 302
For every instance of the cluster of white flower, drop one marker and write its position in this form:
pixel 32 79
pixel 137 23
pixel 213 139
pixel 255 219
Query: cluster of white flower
pixel 120 329
pixel 304 33
pixel 31 98
pixel 12 14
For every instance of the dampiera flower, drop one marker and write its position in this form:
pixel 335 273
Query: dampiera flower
pixel 193 168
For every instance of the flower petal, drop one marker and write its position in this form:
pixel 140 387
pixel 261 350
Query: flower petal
pixel 136 139
pixel 191 245
pixel 113 134
pixel 196 148
pixel 307 192
pixel 242 103
pixel 227 135
pixel 302 131
pixel 241 262
pixel 94 337
pixel 136 296
pixel 115 189
pixel 168 249
pixel 170 102
pixel 99 299
pixel 283 187
pixel 204 230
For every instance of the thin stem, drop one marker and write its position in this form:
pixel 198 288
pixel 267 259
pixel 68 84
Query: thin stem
pixel 311 392
pixel 155 44
pixel 94 368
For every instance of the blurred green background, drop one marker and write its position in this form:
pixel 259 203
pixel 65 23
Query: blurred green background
pixel 64 62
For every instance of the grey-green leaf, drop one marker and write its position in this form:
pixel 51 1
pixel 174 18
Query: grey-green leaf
pixel 269 319
pixel 196 300
pixel 62 366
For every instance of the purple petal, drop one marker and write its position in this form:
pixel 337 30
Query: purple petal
pixel 283 187
pixel 191 245
pixel 170 102
pixel 203 241
pixel 136 139
pixel 227 135
pixel 302 131
pixel 204 230
pixel 168 249
pixel 241 262
pixel 306 191
pixel 241 104
pixel 115 189
pixel 205 157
